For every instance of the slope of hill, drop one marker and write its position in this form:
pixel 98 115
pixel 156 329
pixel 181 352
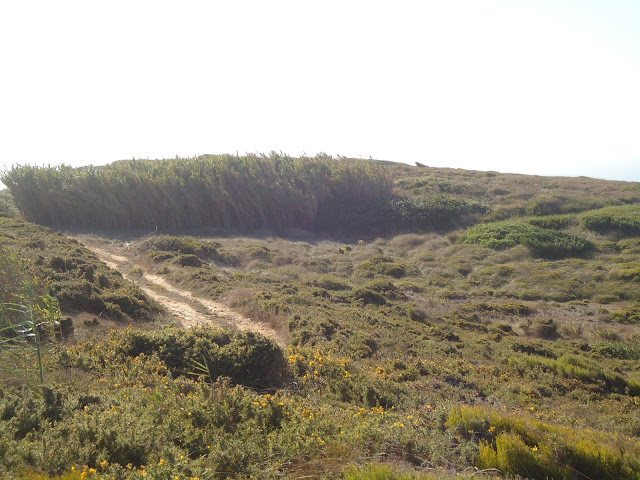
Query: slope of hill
pixel 511 346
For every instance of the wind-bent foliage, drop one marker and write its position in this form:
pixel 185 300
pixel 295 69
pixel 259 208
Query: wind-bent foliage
pixel 253 191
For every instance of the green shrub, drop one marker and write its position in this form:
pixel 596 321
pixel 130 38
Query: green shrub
pixel 183 245
pixel 384 266
pixel 187 260
pixel 518 309
pixel 624 220
pixel 627 272
pixel 629 315
pixel 416 314
pixel 535 449
pixel 553 244
pixel 433 211
pixel 386 288
pixel 385 472
pixel 553 204
pixel 617 349
pixel 246 358
pixel 498 236
pixel 331 283
pixel 368 296
pixel 545 243
pixel 553 222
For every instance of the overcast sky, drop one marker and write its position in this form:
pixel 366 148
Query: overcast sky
pixel 527 86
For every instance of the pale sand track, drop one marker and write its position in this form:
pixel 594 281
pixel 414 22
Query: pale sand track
pixel 188 309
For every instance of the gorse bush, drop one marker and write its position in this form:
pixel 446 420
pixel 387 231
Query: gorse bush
pixel 253 191
pixel 542 242
pixel 246 358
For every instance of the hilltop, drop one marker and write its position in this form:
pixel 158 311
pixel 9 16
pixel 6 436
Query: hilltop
pixel 428 321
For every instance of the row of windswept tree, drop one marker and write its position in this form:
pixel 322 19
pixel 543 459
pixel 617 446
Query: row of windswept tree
pixel 233 192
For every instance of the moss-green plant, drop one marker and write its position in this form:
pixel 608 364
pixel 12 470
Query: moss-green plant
pixel 622 220
pixel 545 243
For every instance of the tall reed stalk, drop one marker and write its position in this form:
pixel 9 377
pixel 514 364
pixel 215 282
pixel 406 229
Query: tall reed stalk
pixel 27 318
pixel 272 191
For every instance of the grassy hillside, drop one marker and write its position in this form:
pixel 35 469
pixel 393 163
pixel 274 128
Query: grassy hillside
pixel 512 346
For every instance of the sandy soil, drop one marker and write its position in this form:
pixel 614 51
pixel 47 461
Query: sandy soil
pixel 188 309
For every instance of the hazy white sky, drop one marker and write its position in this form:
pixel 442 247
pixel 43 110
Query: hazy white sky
pixel 550 87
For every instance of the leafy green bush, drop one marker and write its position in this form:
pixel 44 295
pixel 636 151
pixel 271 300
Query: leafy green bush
pixel 73 274
pixel 385 472
pixel 183 245
pixel 518 309
pixel 498 236
pixel 553 222
pixel 384 266
pixel 554 204
pixel 331 283
pixel 246 358
pixel 545 243
pixel 617 349
pixel 553 244
pixel 629 315
pixel 535 449
pixel 624 220
pixel 433 211
pixel 368 296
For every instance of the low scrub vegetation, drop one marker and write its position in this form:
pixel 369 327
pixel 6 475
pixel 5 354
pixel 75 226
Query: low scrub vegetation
pixel 541 242
pixel 75 276
pixel 509 349
pixel 433 211
pixel 622 221
pixel 535 449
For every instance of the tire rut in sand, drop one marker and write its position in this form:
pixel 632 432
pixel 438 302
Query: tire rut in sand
pixel 188 309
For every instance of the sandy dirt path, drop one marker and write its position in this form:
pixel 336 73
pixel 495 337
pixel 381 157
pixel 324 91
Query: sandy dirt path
pixel 188 309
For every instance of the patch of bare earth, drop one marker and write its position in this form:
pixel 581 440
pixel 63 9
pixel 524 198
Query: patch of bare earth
pixel 186 308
